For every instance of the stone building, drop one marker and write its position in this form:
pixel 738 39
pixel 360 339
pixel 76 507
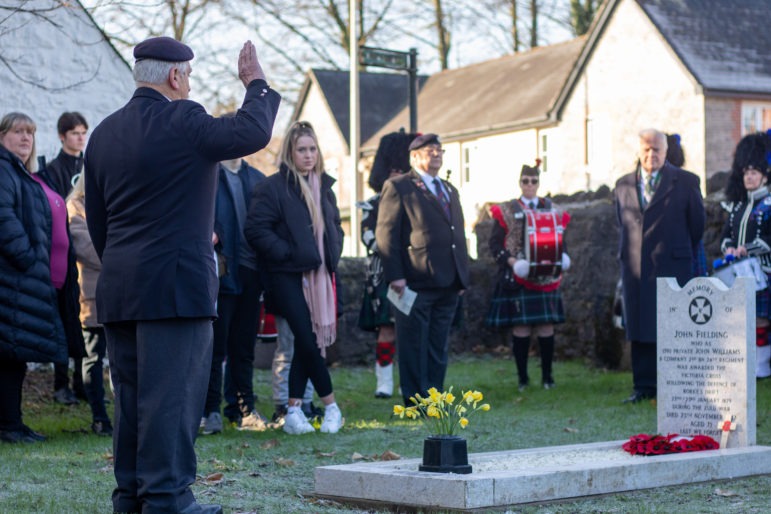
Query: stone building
pixel 699 68
pixel 54 58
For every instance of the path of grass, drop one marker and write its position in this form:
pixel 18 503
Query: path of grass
pixel 268 472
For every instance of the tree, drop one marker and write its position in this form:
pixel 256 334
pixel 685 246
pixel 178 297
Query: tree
pixel 533 23
pixel 14 16
pixel 442 34
pixel 581 15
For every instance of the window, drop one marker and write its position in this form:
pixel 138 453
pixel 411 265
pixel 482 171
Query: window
pixel 756 117
pixel 544 153
pixel 466 164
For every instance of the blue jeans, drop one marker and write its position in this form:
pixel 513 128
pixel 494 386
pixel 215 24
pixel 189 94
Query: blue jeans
pixel 93 381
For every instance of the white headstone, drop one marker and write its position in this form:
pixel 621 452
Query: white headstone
pixel 706 359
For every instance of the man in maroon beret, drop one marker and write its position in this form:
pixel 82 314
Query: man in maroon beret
pixel 151 178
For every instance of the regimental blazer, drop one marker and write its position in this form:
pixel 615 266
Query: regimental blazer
pixel 749 225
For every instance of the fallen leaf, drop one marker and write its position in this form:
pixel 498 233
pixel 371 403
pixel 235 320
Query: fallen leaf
pixel 107 456
pixel 571 421
pixel 357 456
pixel 571 430
pixel 326 454
pixel 270 444
pixel 254 474
pixel 388 455
pixel 725 492
pixel 213 478
pixel 284 462
pixel 244 445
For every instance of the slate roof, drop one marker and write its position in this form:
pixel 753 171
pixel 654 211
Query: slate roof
pixel 726 44
pixel 514 91
pixel 381 97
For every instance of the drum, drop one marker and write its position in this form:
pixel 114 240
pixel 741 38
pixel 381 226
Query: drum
pixel 727 272
pixel 543 242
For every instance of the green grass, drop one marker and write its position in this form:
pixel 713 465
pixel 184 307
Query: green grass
pixel 72 471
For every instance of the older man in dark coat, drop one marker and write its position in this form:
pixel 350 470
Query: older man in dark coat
pixel 151 178
pixel 661 214
pixel 421 237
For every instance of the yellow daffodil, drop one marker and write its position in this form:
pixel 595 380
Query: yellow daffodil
pixel 486 406
pixel 411 413
pixel 432 412
pixel 477 396
pixel 399 410
pixel 449 398
pixel 463 422
pixel 468 397
pixel 461 409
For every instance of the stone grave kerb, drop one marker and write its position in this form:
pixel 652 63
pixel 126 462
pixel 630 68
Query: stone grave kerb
pixel 706 359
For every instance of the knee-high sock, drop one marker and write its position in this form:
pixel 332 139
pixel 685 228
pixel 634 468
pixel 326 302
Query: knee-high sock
pixel 521 347
pixel 761 334
pixel 385 352
pixel 547 354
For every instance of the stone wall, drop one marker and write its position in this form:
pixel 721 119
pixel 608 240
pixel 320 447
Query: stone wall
pixel 588 289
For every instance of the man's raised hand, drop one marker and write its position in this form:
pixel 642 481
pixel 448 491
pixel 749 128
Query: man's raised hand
pixel 248 66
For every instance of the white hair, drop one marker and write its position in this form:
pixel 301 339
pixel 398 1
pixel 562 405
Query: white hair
pixel 653 132
pixel 152 71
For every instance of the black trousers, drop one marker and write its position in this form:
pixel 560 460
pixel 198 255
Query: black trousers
pixel 422 341
pixel 235 333
pixel 93 377
pixel 307 362
pixel 160 369
pixel 644 367
pixel 11 380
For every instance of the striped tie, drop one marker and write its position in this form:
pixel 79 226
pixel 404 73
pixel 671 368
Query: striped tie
pixel 443 201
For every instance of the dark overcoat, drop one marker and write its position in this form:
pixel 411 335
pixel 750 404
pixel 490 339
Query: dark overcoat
pixel 417 241
pixel 226 223
pixel 658 241
pixel 31 328
pixel 151 179
pixel 278 226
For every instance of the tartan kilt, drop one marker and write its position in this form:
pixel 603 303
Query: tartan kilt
pixel 761 303
pixel 375 308
pixel 523 306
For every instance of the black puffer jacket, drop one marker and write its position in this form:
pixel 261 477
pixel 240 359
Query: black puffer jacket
pixel 30 326
pixel 278 225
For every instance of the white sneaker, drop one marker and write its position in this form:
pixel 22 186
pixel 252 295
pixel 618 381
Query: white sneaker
pixel 296 423
pixel 333 419
pixel 385 380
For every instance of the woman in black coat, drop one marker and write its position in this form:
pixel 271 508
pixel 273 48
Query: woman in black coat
pixel 35 273
pixel 294 225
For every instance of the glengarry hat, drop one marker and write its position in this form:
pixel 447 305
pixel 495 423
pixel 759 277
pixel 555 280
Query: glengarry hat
pixel 530 171
pixel 163 49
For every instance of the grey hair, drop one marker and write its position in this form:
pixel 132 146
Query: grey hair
pixel 8 122
pixel 152 71
pixel 653 132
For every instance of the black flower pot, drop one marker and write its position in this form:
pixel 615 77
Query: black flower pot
pixel 445 454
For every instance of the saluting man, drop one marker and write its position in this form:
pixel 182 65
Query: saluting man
pixel 151 178
pixel 421 237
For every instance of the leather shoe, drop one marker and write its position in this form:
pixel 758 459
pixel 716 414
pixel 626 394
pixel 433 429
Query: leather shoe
pixel 197 508
pixel 37 436
pixel 638 397
pixel 15 436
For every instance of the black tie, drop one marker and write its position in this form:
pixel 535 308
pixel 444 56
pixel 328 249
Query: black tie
pixel 532 205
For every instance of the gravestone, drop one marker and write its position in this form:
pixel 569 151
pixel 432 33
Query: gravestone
pixel 706 359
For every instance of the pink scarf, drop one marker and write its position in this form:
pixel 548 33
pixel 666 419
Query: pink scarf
pixel 317 284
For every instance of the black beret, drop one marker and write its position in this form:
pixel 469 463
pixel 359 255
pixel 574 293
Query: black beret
pixel 163 49
pixel 423 140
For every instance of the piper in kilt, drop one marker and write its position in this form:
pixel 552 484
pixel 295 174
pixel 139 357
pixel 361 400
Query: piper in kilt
pixel 527 305
pixel 392 159
pixel 747 231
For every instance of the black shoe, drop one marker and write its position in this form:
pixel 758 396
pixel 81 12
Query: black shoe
pixel 197 508
pixel 312 412
pixel 548 385
pixel 16 436
pixel 65 396
pixel 80 393
pixel 638 397
pixel 37 436
pixel 279 414
pixel 103 428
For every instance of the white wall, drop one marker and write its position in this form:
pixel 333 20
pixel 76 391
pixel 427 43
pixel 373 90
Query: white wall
pixel 70 68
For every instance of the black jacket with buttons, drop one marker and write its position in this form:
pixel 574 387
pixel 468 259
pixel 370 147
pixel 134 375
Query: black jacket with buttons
pixel 417 241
